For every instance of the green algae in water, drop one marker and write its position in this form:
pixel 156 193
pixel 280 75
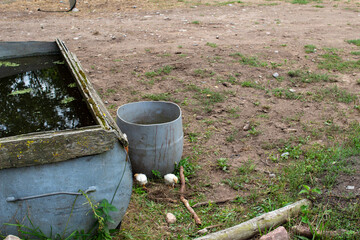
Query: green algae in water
pixel 36 95
pixel 8 64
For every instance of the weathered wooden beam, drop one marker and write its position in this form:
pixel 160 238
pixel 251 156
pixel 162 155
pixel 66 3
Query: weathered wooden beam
pixel 252 227
pixel 29 150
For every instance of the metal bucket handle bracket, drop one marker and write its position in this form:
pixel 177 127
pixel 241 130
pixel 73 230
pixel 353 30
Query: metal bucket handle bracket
pixel 13 199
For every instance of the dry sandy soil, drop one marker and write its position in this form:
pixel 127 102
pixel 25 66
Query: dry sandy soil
pixel 118 42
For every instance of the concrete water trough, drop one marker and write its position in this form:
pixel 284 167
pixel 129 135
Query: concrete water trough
pixel 57 140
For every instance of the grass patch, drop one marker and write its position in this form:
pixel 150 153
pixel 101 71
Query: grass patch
pixel 309 77
pixel 356 53
pixel 161 71
pixel 333 62
pixel 213 45
pixel 335 94
pixel 249 60
pixel 158 97
pixel 203 73
pixel 310 48
pixel 354 41
pixel 285 94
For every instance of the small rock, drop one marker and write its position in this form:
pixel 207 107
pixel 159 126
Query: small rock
pixel 292 90
pixel 202 231
pixel 272 175
pixel 170 218
pixel 199 118
pixel 290 130
pixel 117 97
pixel 276 51
pixel 246 127
pixel 276 75
pixel 226 84
pixel 134 6
pixel 278 234
pixel 75 10
pixel 285 154
pixel 217 37
pixel 11 237
pixel 350 187
pixel 106 102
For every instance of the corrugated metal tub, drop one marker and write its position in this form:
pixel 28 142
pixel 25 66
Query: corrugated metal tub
pixel 45 163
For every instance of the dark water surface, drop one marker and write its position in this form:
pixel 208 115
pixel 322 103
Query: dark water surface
pixel 39 94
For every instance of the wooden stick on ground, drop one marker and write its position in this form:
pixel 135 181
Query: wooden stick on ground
pixel 182 198
pixel 216 202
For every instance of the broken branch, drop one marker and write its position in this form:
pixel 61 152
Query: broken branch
pixel 182 198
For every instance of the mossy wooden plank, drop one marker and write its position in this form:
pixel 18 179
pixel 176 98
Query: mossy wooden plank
pixel 29 150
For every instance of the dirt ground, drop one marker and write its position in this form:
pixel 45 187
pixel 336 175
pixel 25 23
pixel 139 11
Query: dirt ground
pixel 118 42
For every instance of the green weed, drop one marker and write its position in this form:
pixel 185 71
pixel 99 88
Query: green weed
pixel 161 71
pixel 158 97
pixel 251 61
pixel 222 164
pixel 310 48
pixel 309 77
pixel 332 61
pixel 213 45
pixel 355 42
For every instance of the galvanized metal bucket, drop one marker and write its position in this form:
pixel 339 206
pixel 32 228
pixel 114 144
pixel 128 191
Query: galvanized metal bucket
pixel 155 134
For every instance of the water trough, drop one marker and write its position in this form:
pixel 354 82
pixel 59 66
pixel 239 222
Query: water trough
pixel 56 138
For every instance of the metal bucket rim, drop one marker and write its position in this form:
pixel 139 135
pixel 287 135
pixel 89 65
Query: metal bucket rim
pixel 153 124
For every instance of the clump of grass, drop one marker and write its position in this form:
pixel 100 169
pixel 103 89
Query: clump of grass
pixel 195 22
pixel 354 41
pixel 213 45
pixel 158 97
pixel 285 93
pixel 251 61
pixel 332 61
pixel 335 94
pixel 310 48
pixel 203 73
pixel 251 84
pixel 228 2
pixel 222 164
pixel 356 53
pixel 309 77
pixel 161 71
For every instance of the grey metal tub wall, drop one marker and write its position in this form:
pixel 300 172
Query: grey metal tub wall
pixel 62 213
pixel 154 130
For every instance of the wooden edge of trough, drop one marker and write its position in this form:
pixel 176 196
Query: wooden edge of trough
pixel 56 146
pixel 52 147
pixel 252 227
pixel 89 93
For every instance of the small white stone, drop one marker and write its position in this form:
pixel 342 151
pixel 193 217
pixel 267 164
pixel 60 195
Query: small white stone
pixel 170 218
pixel 75 10
pixel 276 75
pixel 350 187
pixel 11 237
pixel 202 231
pixel 285 154
pixel 292 90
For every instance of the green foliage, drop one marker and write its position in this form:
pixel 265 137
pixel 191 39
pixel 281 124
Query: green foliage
pixel 285 93
pixel 251 61
pixel 8 64
pixel 335 94
pixel 310 48
pixel 222 164
pixel 156 174
pixel 161 71
pixel 213 45
pixel 354 41
pixel 357 53
pixel 332 61
pixel 203 73
pixel 309 192
pixel 309 77
pixel 189 167
pixel 158 97
pixel 20 92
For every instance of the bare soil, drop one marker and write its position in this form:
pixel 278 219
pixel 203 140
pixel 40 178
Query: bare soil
pixel 118 42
